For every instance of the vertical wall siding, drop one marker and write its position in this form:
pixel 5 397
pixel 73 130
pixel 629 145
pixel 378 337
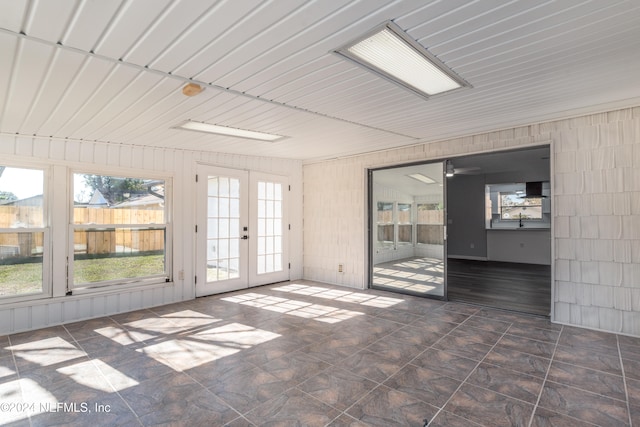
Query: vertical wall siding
pixel 180 165
pixel 596 209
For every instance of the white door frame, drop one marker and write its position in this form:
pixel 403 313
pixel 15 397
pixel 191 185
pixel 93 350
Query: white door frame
pixel 272 242
pixel 260 234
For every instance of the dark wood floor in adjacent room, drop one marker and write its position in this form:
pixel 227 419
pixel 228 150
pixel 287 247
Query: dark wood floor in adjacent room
pixel 511 286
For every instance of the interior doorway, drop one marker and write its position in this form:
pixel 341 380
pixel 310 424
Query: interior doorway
pixel 499 230
pixel 474 229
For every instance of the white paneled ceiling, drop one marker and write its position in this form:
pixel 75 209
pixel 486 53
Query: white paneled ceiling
pixel 112 70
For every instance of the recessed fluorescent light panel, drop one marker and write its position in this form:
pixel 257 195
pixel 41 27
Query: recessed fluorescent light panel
pixel 228 131
pixel 422 178
pixel 391 53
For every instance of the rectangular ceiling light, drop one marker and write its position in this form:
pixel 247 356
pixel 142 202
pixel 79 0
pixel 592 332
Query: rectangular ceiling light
pixel 391 53
pixel 422 178
pixel 228 131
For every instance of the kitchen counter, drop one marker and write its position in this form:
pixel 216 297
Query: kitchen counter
pixel 523 245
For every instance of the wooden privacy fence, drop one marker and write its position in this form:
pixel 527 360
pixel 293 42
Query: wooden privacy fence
pixel 20 243
pixel 20 216
pixel 150 215
pixel 25 243
pixel 118 240
pixel 429 227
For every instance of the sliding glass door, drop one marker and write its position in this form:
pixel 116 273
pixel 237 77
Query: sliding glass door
pixel 407 222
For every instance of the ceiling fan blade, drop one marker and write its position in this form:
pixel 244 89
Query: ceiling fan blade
pixel 467 171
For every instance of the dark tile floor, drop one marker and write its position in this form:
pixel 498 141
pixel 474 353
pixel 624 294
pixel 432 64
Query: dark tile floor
pixel 309 354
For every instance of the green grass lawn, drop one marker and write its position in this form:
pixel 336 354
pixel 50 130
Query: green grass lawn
pixel 19 279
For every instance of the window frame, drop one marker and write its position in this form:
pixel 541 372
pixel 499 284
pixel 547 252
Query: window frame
pixel 123 283
pixel 400 224
pixel 440 225
pixel 386 225
pixel 46 283
pixel 501 206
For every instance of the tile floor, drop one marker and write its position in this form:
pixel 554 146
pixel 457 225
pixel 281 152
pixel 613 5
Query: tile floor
pixel 309 354
pixel 416 275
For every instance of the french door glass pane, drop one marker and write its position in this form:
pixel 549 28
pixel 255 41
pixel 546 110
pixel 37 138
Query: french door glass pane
pixel 269 257
pixel 223 228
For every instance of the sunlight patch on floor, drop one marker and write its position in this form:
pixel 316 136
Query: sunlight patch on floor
pixel 307 310
pixel 84 373
pixel 207 346
pixel 339 295
pixel 48 351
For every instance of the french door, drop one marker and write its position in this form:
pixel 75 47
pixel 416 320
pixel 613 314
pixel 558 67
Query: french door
pixel 242 229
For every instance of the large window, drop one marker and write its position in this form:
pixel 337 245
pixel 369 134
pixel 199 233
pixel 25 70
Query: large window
pixel 516 207
pixel 119 230
pixel 23 232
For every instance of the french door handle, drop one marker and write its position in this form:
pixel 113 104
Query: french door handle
pixel 245 237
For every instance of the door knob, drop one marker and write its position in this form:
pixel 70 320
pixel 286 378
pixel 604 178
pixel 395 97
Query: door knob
pixel 245 237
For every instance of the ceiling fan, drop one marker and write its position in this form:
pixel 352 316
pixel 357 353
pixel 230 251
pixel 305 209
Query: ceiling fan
pixel 451 170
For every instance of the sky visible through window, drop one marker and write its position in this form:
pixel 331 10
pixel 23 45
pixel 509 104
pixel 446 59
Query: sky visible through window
pixel 23 183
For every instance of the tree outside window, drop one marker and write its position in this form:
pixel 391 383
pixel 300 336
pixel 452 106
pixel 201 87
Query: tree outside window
pixel 120 230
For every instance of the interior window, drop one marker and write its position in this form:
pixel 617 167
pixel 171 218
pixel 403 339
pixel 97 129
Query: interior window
pixel 515 207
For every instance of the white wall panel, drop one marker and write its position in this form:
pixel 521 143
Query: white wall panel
pixel 87 152
pixel 24 146
pixel 21 316
pixel 98 306
pixel 55 311
pixel 62 156
pixel 84 307
pixel 39 316
pixel 72 151
pixel 40 148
